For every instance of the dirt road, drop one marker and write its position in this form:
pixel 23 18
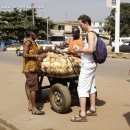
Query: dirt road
pixel 113 105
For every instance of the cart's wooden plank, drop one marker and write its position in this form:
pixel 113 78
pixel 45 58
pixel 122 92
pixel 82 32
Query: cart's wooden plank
pixel 60 76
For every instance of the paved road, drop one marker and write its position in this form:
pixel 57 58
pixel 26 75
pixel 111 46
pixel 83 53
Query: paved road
pixel 4 125
pixel 113 68
pixel 113 104
pixel 10 58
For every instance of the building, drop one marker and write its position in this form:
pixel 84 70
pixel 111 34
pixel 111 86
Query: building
pixel 68 25
pixel 98 26
pixel 65 28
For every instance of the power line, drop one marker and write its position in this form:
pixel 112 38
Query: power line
pixel 78 3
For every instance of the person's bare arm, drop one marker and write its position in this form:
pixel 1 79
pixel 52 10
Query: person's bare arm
pixel 26 50
pixel 91 42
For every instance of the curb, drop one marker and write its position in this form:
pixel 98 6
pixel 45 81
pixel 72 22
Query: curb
pixel 119 55
pixel 11 49
pixel 4 125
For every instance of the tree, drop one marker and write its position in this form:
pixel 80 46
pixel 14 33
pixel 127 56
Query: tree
pixel 124 21
pixel 15 24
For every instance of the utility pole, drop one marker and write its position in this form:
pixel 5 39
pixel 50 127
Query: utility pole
pixel 66 16
pixel 117 25
pixel 47 27
pixel 116 4
pixel 33 16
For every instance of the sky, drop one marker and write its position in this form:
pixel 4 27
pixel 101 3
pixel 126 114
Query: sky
pixel 62 10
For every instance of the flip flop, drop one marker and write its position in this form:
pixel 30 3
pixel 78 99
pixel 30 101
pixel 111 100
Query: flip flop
pixel 91 113
pixel 79 119
pixel 38 112
pixel 29 109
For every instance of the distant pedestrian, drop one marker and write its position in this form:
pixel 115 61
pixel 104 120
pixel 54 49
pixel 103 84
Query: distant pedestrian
pixel 31 68
pixel 86 85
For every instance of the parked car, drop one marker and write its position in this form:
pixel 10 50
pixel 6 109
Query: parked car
pixel 58 40
pixel 3 45
pixel 45 44
pixel 40 43
pixel 123 48
pixel 124 45
pixel 19 51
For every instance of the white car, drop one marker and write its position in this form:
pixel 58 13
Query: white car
pixel 122 40
pixel 43 43
pixel 124 45
pixel 58 40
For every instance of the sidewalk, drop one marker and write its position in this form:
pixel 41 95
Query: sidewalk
pixel 120 55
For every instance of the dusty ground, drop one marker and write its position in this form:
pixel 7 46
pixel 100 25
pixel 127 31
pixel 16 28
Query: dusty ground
pixel 113 106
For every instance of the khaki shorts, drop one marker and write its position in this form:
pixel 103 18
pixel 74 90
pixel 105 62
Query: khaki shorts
pixel 32 81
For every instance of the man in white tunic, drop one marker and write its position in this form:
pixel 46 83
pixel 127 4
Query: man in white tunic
pixel 86 86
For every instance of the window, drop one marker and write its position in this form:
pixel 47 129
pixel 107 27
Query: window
pixel 100 23
pixel 113 2
pixel 61 27
pixel 57 38
pixel 74 26
pixel 100 30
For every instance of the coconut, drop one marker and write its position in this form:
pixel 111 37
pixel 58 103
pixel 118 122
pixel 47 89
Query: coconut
pixel 43 70
pixel 62 72
pixel 63 61
pixel 52 60
pixel 56 71
pixel 58 64
pixel 48 70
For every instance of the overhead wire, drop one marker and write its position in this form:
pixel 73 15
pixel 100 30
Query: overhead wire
pixel 64 3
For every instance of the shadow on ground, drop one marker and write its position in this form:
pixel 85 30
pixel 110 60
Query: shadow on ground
pixel 75 101
pixel 100 102
pixel 127 117
pixel 128 80
pixel 43 97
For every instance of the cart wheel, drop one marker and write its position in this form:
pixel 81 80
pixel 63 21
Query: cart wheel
pixel 60 98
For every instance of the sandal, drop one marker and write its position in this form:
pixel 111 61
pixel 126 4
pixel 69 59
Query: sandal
pixel 79 118
pixel 91 113
pixel 38 112
pixel 29 109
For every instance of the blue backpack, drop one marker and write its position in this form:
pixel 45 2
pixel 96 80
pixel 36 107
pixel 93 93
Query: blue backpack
pixel 100 54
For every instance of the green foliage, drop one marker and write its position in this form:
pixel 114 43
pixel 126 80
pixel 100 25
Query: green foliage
pixel 18 23
pixel 124 21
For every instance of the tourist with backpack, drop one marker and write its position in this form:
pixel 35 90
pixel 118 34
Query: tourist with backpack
pixel 86 85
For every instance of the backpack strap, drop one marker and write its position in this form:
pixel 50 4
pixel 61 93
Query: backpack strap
pixel 93 32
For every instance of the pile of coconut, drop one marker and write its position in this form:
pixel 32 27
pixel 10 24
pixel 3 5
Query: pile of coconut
pixel 58 64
